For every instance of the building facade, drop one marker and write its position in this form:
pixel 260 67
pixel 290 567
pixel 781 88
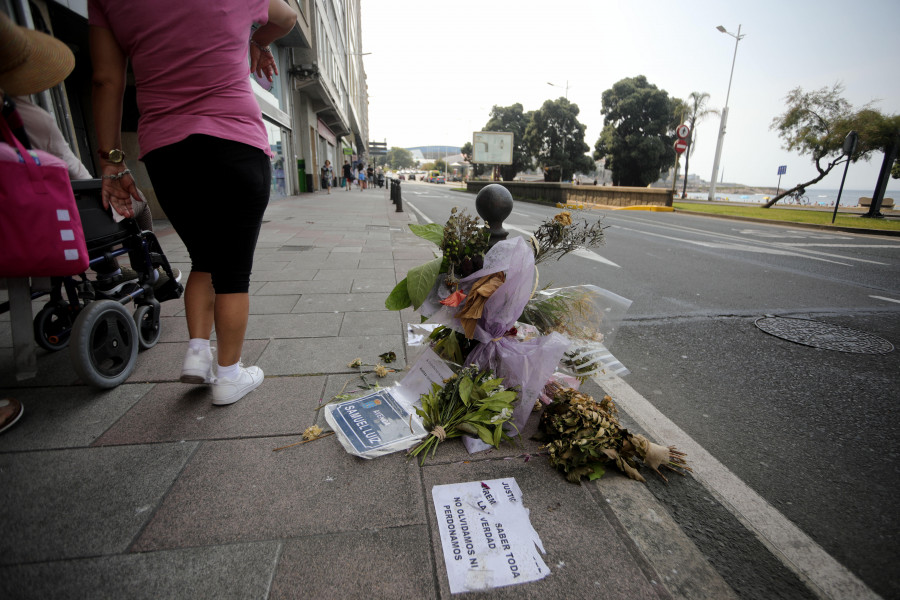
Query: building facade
pixel 316 109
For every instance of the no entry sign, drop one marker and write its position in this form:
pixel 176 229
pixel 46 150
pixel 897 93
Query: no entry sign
pixel 680 146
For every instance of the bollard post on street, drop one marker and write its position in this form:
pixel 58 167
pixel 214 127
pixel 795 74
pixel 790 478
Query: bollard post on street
pixel 398 199
pixel 494 203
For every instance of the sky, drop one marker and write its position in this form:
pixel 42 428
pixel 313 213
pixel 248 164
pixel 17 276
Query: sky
pixel 436 68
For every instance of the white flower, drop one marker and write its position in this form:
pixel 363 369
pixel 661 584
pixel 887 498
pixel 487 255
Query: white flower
pixel 504 415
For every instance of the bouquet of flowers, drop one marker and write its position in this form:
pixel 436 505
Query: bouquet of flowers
pixel 474 295
pixel 584 435
pixel 463 245
pixel 488 316
pixel 471 402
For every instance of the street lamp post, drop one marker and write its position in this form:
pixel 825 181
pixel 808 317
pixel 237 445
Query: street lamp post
pixel 715 172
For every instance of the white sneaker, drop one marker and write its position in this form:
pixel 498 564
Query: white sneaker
pixel 197 367
pixel 229 391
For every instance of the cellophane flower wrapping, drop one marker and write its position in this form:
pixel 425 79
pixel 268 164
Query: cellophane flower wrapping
pixel 526 365
pixel 589 317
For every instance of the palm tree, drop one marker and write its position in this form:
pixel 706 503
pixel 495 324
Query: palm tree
pixel 697 111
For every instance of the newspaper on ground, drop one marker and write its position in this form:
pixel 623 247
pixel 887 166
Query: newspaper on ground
pixel 486 535
pixel 384 421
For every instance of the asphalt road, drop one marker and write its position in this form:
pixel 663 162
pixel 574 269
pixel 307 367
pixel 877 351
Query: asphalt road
pixel 812 431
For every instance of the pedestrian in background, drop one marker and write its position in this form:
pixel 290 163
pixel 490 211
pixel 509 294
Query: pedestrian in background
pixel 327 176
pixel 362 177
pixel 209 165
pixel 348 174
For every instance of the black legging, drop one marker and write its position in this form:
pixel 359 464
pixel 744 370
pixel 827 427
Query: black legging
pixel 214 192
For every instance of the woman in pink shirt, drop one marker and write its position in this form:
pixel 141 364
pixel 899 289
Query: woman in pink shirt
pixel 202 138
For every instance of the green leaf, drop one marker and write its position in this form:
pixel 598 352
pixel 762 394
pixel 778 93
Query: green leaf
pixel 467 428
pixel 465 390
pixel 598 472
pixel 484 434
pixel 507 396
pixel 480 416
pixel 491 384
pixel 494 405
pixel 498 435
pixel 433 232
pixel 448 349
pixel 398 299
pixel 420 280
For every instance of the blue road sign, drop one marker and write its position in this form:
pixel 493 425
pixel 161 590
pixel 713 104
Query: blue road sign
pixel 782 169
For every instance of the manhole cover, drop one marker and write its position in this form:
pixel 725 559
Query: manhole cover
pixel 824 335
pixel 294 248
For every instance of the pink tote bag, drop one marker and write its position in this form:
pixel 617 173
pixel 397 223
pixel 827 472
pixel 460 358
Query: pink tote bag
pixel 40 229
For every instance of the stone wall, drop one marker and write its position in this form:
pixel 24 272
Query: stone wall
pixel 563 193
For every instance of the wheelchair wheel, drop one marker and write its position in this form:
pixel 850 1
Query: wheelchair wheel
pixel 146 319
pixel 53 326
pixel 104 344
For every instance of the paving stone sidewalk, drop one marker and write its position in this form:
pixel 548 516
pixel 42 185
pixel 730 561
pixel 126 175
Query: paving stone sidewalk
pixel 150 491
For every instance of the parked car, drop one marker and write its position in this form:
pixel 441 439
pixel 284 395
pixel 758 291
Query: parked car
pixel 402 177
pixel 439 179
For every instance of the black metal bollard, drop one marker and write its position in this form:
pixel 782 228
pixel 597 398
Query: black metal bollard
pixel 494 203
pixel 396 195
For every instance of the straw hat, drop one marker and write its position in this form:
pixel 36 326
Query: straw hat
pixel 31 61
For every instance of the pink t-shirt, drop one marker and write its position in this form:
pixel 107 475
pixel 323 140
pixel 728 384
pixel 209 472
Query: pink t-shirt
pixel 191 66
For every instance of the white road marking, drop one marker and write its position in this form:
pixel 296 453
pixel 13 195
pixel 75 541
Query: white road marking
pixel 588 254
pixel 840 245
pixel 885 299
pixel 420 213
pixel 765 248
pixel 583 253
pixel 786 540
pixel 744 243
pixel 794 233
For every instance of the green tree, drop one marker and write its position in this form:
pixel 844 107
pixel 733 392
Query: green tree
pixel 815 123
pixel 399 158
pixel 637 135
pixel 696 111
pixel 555 139
pixel 515 120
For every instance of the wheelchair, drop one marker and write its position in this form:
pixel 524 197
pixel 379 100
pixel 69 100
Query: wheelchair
pixel 102 335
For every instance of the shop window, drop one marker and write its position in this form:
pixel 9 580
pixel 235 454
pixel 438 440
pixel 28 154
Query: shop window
pixel 276 144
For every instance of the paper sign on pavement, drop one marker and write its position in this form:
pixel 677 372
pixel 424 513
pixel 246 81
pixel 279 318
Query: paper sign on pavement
pixel 486 535
pixel 385 421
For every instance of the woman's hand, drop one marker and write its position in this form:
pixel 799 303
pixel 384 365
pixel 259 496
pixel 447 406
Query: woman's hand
pixel 117 191
pixel 262 63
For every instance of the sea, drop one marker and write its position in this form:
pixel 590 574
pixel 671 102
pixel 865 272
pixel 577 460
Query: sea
pixel 817 197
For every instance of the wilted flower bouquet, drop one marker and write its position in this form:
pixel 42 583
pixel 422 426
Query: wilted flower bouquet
pixel 583 435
